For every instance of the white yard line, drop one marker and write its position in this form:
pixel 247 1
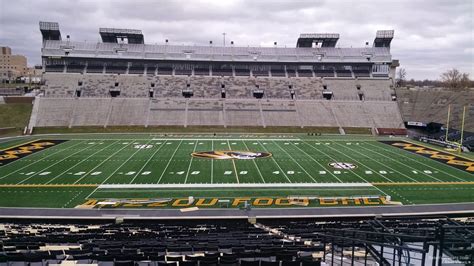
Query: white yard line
pixel 213 189
pixel 128 159
pixel 256 166
pixel 295 161
pixel 191 139
pixel 273 158
pixel 316 161
pixel 85 159
pixel 169 161
pixel 104 161
pixel 384 165
pixel 351 158
pixel 190 163
pixel 29 165
pixel 420 162
pixel 148 161
pixel 233 163
pixel 406 165
pixel 212 163
pixel 51 165
pixel 356 174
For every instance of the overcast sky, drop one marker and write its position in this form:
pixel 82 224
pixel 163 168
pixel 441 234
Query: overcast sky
pixel 430 36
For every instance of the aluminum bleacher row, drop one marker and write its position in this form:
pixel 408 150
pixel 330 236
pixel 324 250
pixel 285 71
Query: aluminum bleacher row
pixel 431 105
pixel 114 100
pixel 267 242
pixel 171 243
pixel 69 112
pixel 70 85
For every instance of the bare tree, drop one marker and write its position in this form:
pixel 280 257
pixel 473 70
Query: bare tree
pixel 452 78
pixel 401 77
pixel 465 81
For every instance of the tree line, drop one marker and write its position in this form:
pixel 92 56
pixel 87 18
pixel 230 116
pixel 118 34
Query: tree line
pixel 452 79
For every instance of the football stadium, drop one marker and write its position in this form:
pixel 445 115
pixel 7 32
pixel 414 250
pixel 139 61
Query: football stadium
pixel 168 154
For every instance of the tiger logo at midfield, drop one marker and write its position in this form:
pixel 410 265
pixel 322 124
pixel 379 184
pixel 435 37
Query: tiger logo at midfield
pixel 224 155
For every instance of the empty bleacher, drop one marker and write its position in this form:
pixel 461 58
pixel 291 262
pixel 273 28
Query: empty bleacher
pixel 307 88
pixel 243 113
pixel 54 112
pixel 342 89
pixel 126 111
pixel 148 100
pixel 280 113
pixel 90 111
pixel 268 242
pixel 205 87
pixel 205 113
pixel 167 112
pixel 431 105
pixel 202 242
pixel 375 89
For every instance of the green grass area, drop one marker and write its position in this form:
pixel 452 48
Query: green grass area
pixel 234 192
pixel 135 159
pixel 43 197
pixel 14 118
pixel 427 194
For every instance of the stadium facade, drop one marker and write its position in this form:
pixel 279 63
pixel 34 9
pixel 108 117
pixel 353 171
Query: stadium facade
pixel 123 81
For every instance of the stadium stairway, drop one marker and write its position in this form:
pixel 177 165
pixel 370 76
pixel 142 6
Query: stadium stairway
pixel 34 115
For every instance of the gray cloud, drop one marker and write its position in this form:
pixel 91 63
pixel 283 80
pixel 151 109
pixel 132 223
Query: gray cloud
pixel 430 36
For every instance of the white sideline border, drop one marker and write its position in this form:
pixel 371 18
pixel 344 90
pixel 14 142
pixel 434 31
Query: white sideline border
pixel 234 139
pixel 235 185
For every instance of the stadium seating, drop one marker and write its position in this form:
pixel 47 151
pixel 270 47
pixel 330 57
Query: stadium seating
pixel 280 113
pixel 216 101
pixel 167 112
pixel 431 105
pixel 90 111
pixel 51 112
pixel 125 111
pixel 164 243
pixel 204 113
pixel 243 113
pixel 296 242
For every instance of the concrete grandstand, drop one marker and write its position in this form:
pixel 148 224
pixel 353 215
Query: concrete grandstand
pixel 122 81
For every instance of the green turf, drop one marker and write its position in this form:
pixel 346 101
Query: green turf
pixel 431 193
pixel 43 197
pixel 94 159
pixel 233 192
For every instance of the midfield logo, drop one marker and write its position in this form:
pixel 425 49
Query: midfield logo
pixel 15 153
pixel 224 155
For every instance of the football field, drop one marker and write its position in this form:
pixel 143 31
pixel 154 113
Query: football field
pixel 147 170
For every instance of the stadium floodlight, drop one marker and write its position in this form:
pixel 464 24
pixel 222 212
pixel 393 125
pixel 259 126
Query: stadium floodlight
pixel 112 35
pixel 326 39
pixel 50 30
pixel 383 38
